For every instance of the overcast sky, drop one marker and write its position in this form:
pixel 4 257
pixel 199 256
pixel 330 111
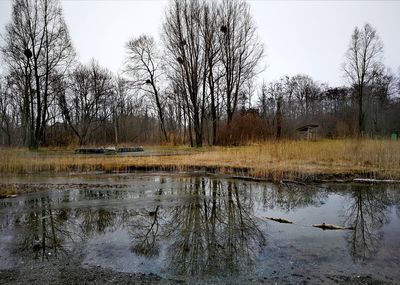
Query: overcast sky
pixel 307 37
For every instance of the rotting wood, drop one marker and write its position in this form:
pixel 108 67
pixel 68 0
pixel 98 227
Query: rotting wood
pixel 367 180
pixel 130 149
pixel 108 150
pixel 89 150
pixel 331 227
pixel 8 196
pixel 279 220
pixel 249 178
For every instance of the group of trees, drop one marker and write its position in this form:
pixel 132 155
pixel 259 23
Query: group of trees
pixel 211 50
pixel 294 101
pixel 198 85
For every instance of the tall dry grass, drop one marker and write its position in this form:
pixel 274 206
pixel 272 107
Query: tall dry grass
pixel 274 160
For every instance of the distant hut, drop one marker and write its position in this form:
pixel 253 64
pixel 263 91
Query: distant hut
pixel 395 135
pixel 308 132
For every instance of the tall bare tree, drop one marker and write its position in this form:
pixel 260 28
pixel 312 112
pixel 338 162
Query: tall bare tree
pixel 185 56
pixel 363 60
pixel 144 64
pixel 241 50
pixel 211 72
pixel 37 45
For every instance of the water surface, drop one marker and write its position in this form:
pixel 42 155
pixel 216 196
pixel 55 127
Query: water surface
pixel 195 227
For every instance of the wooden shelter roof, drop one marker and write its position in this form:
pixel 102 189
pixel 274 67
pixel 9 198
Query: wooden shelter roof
pixel 307 127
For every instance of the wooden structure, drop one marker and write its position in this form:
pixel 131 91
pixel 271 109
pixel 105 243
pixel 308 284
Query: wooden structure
pixel 309 131
pixel 108 150
pixel 130 149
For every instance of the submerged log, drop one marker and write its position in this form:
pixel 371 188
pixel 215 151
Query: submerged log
pixel 293 182
pixel 331 227
pixel 4 196
pixel 279 220
pixel 366 180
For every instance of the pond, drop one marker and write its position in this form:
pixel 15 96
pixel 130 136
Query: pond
pixel 197 228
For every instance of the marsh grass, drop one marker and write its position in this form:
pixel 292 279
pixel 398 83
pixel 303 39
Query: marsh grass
pixel 325 159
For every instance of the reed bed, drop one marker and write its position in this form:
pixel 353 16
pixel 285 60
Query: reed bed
pixel 274 160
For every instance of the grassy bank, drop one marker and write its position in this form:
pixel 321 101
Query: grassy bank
pixel 326 159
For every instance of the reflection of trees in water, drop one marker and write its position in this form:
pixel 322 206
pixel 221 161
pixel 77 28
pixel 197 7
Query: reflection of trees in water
pixel 144 229
pixel 211 228
pixel 211 232
pixel 290 197
pixel 45 229
pixel 367 212
pixel 98 219
pixel 47 225
pixel 395 193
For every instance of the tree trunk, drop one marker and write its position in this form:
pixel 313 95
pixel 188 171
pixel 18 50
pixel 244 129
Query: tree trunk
pixel 360 112
pixel 278 118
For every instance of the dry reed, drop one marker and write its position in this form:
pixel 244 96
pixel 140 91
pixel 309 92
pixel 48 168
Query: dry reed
pixel 325 159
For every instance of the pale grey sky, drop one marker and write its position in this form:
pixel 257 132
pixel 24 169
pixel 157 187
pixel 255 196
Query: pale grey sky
pixel 307 37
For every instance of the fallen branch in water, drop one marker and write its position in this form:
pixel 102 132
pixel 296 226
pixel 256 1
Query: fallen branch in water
pixel 365 180
pixel 331 227
pixel 7 196
pixel 288 182
pixel 279 220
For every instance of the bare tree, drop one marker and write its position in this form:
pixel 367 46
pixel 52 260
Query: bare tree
pixel 185 57
pixel 211 71
pixel 8 110
pixel 87 102
pixel 363 60
pixel 275 92
pixel 398 83
pixel 241 50
pixel 37 45
pixel 144 64
pixel 305 91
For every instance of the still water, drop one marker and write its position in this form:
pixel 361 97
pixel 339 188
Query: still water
pixel 196 227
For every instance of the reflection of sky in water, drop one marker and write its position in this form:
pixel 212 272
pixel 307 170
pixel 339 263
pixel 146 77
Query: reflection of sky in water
pixel 182 226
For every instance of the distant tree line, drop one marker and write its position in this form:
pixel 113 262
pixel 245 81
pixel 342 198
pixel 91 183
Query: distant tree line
pixel 197 86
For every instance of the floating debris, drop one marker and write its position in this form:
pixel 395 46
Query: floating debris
pixel 365 180
pixel 331 227
pixel 279 220
pixel 224 29
pixel 7 196
pixel 37 245
pixel 292 182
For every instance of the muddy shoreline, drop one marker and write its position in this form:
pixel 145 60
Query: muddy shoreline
pixel 68 270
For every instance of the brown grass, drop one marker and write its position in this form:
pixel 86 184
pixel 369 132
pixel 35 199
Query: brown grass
pixel 326 159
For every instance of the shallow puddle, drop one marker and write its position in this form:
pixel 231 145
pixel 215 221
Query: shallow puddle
pixel 185 227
